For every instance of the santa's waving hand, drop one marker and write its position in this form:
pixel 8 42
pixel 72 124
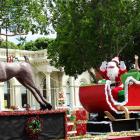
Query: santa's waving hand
pixel 122 65
pixel 103 66
pixel 113 71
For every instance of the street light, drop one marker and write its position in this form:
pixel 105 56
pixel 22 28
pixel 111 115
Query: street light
pixel 6 42
pixel 1 39
pixel 6 35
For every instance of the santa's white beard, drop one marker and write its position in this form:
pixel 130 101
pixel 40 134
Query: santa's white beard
pixel 112 73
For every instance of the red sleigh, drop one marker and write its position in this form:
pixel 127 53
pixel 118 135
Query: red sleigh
pixel 98 98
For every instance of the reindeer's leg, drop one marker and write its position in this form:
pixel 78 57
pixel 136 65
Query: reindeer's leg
pixel 44 100
pixel 49 106
pixel 42 104
pixel 28 83
pixel 31 83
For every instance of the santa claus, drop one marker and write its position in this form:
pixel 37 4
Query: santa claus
pixel 112 71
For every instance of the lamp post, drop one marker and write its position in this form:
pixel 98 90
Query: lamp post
pixel 6 35
pixel 1 39
pixel 6 43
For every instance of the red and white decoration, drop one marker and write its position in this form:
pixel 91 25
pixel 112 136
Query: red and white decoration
pixel 112 71
pixel 61 98
pixel 77 124
pixel 10 59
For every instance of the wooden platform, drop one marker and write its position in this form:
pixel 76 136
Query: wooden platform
pixel 113 126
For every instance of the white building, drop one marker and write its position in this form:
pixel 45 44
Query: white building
pixel 51 81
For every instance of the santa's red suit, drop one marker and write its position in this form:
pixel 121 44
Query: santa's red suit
pixel 112 71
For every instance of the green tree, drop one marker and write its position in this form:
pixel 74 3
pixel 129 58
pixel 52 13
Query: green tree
pixel 38 44
pixel 24 16
pixel 30 46
pixel 89 32
pixel 21 17
pixel 10 45
pixel 42 43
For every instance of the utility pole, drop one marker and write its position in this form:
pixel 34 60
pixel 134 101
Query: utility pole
pixel 6 43
pixel 1 39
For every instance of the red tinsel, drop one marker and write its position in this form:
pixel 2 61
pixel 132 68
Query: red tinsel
pixel 81 114
pixel 32 112
pixel 81 128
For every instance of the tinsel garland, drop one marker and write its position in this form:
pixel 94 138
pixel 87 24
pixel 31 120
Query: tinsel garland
pixel 130 80
pixel 31 112
pixel 34 127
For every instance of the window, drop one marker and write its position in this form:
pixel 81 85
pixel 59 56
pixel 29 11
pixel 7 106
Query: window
pixel 23 96
pixel 44 88
pixel 68 99
pixel 7 94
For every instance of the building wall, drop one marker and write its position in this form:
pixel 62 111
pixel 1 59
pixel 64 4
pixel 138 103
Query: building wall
pixel 49 80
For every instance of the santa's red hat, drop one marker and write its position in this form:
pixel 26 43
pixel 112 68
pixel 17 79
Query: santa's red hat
pixel 115 59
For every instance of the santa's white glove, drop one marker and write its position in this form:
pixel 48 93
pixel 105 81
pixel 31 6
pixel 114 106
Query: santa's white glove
pixel 103 66
pixel 108 82
pixel 136 57
pixel 122 65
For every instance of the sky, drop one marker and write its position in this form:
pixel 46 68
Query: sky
pixel 30 37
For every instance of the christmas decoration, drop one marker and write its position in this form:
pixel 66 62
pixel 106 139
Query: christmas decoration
pixel 61 98
pixel 15 123
pixel 76 122
pixel 34 127
pixel 31 112
pixel 81 121
pixel 18 70
pixel 10 59
pixel 112 71
pixel 103 102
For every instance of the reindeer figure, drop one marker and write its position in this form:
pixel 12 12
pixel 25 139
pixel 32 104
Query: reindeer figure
pixel 22 71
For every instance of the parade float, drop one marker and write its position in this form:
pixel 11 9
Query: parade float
pixel 113 107
pixel 33 125
pixel 29 124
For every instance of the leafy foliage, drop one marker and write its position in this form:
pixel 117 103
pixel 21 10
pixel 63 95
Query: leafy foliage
pixel 39 44
pixel 24 16
pixel 90 31
pixel 10 45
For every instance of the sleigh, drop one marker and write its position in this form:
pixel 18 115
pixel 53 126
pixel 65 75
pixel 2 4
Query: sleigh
pixel 113 115
pixel 98 98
